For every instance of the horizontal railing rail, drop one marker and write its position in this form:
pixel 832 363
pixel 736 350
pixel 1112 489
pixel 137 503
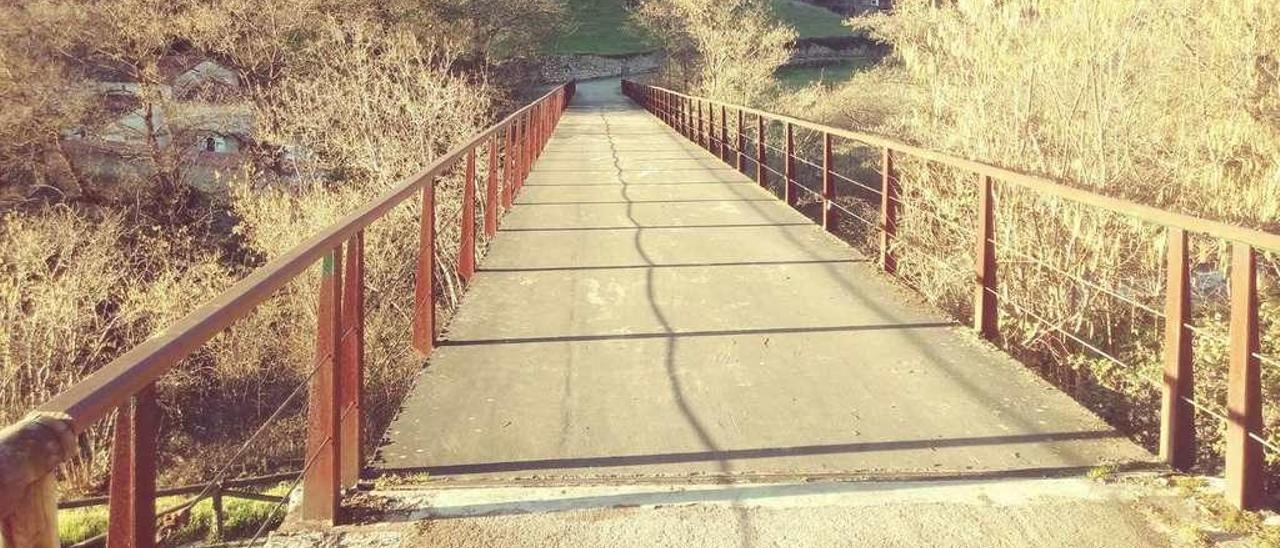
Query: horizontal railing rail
pixel 31 449
pixel 707 122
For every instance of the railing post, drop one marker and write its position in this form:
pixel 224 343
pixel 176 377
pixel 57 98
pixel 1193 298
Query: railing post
pixel 321 463
pixel 724 133
pixel 424 291
pixel 662 107
pixel 133 473
pixel 689 133
pixel 762 161
pixel 742 140
pixel 985 318
pixel 1177 417
pixel 508 165
pixel 351 384
pixel 712 145
pixel 526 129
pixel 789 166
pixel 542 129
pixel 888 212
pixel 32 449
pixel 522 152
pixel 467 248
pixel 491 191
pixel 828 185
pixel 1246 483
pixel 701 134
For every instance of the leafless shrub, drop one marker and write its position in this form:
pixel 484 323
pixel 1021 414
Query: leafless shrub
pixel 722 50
pixel 1169 103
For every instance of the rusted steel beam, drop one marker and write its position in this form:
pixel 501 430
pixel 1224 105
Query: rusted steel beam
pixel 1177 416
pixel 888 211
pixel 828 185
pixel 742 140
pixel 522 155
pixel 491 191
pixel 700 131
pixel 321 473
pixel 724 133
pixel 424 290
pixel 508 167
pixel 526 151
pixel 985 314
pixel 688 123
pixel 762 161
pixel 467 250
pixel 789 167
pixel 351 362
pixel 1246 483
pixel 712 146
pixel 132 500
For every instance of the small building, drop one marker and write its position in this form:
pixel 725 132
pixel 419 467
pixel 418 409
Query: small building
pixel 198 121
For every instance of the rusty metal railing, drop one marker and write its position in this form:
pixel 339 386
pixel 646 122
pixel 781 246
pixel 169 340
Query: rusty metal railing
pixel 31 449
pixel 696 119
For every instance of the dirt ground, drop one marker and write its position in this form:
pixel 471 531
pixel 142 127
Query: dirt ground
pixel 1027 512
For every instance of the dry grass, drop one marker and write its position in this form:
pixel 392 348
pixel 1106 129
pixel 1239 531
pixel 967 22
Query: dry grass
pixel 724 50
pixel 363 104
pixel 1173 104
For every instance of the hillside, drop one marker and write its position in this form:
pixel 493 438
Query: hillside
pixel 600 26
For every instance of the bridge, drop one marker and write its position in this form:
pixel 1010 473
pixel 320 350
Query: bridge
pixel 664 299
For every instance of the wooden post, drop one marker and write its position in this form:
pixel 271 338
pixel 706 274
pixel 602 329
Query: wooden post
pixel 888 212
pixel 742 140
pixel 467 249
pixel 1246 484
pixel 828 185
pixel 29 451
pixel 1177 417
pixel 132 498
pixel 320 481
pixel 789 166
pixel 491 191
pixel 985 314
pixel 351 385
pixel 762 161
pixel 219 520
pixel 424 291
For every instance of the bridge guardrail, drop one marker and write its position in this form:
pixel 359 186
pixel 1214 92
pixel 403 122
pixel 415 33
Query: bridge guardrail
pixel 695 118
pixel 31 449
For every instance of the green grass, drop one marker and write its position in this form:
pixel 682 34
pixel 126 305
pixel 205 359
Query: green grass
pixel 832 73
pixel 601 27
pixel 241 518
pixel 810 21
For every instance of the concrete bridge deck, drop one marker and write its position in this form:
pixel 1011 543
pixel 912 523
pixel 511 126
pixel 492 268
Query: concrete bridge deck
pixel 647 311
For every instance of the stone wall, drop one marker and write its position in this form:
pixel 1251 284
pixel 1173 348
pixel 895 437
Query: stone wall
pixel 561 68
pixel 585 67
pixel 811 50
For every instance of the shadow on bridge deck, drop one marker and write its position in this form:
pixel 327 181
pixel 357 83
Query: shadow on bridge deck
pixel 648 311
